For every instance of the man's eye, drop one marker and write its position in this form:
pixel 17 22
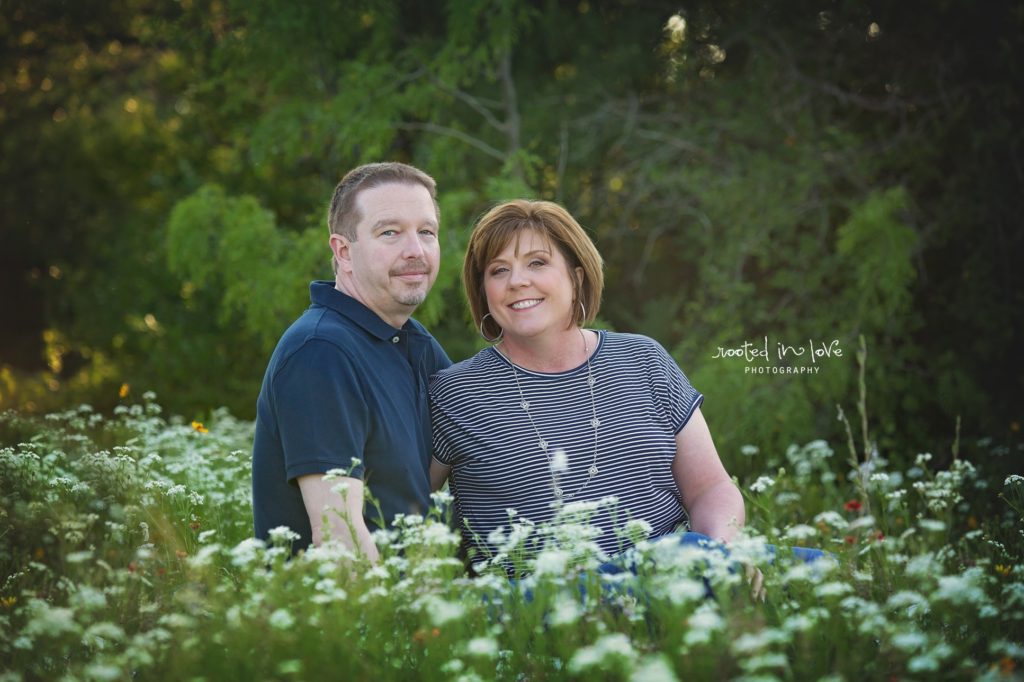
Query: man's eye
pixel 429 232
pixel 388 233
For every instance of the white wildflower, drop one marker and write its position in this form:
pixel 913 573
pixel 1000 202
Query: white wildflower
pixel 866 521
pixel 102 672
pixel 87 598
pixel 441 611
pixel 483 647
pixel 749 450
pixel 963 589
pixel 559 461
pixel 281 619
pixel 932 525
pixel 608 649
pixel 552 562
pixel 656 668
pixel 910 641
pixel 925 663
pixel 441 498
pixel 761 484
pixel 99 635
pixel 833 519
pixel 756 641
pixel 282 535
pixel 763 661
pixel 49 620
pixel 246 552
pixel 703 624
pixel 564 611
pixel 800 532
pixel 832 589
pixel 681 590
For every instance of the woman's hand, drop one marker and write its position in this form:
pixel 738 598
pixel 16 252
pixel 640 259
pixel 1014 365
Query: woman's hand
pixel 756 580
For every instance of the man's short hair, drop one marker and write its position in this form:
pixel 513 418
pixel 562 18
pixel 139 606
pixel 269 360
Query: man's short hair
pixel 503 225
pixel 343 215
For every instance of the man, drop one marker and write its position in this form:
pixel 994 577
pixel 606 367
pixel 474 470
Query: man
pixel 346 385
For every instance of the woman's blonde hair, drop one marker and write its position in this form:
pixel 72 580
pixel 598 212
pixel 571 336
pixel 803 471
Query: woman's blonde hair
pixel 497 228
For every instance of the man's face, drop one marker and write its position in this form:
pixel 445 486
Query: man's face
pixel 393 262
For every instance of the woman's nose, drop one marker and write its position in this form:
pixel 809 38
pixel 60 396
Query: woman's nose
pixel 518 277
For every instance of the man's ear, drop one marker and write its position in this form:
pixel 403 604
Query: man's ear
pixel 341 248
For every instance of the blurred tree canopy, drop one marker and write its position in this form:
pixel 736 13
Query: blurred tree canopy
pixel 805 171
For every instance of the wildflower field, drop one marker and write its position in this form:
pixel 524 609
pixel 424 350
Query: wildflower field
pixel 126 553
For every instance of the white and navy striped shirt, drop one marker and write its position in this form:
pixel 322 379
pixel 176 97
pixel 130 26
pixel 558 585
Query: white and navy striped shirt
pixel 480 429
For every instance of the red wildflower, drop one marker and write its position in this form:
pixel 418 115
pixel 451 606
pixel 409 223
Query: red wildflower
pixel 850 539
pixel 852 505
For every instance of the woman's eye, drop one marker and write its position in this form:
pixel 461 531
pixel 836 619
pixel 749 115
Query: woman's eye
pixel 537 263
pixel 498 271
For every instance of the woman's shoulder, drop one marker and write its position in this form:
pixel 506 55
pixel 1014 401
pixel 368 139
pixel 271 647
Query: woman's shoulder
pixel 462 373
pixel 632 343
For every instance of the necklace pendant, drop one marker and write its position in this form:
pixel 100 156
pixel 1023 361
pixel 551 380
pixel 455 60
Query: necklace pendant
pixel 525 405
pixel 592 470
pixel 591 381
pixel 558 492
pixel 543 444
pixel 595 422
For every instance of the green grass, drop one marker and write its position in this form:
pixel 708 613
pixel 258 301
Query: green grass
pixel 125 553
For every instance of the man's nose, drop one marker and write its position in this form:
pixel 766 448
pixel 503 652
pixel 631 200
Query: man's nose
pixel 412 247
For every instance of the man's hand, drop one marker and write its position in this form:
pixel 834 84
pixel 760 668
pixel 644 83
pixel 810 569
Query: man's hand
pixel 339 500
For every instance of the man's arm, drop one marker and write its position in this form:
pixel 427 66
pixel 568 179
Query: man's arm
pixel 343 511
pixel 714 504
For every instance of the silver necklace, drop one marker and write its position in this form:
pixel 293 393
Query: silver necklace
pixel 594 423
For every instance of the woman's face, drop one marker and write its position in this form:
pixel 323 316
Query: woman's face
pixel 529 287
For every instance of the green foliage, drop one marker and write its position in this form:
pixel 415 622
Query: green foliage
pixel 126 552
pixel 232 246
pixel 877 247
pixel 745 170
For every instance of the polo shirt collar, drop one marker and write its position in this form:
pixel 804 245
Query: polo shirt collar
pixel 322 292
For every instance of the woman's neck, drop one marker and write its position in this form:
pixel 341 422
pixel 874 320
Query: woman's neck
pixel 551 352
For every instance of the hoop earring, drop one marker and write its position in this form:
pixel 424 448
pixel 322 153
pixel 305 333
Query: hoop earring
pixel 583 308
pixel 484 335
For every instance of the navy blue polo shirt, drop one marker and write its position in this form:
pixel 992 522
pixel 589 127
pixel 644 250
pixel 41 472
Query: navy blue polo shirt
pixel 342 384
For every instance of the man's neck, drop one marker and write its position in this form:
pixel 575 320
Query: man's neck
pixel 345 287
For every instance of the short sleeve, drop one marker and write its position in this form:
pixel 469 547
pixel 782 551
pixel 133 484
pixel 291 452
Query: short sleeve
pixel 440 358
pixel 442 427
pixel 680 398
pixel 322 413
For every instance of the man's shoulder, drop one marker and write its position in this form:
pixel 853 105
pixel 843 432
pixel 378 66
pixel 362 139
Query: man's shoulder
pixel 318 330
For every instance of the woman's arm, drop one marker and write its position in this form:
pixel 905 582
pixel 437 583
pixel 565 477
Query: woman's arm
pixel 438 474
pixel 714 504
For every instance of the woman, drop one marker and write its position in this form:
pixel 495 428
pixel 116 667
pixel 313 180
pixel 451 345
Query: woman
pixel 554 412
